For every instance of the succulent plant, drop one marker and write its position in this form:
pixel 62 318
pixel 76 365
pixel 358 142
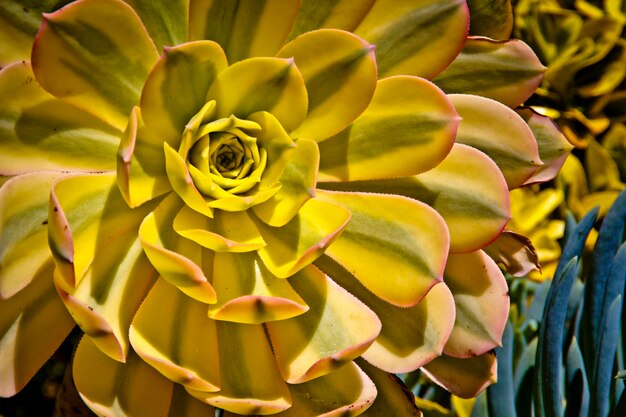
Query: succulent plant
pixel 582 43
pixel 578 345
pixel 264 207
pixel 563 348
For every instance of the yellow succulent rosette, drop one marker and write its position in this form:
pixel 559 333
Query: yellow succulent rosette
pixel 265 207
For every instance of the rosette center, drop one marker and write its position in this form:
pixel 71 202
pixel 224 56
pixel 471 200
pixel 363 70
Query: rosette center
pixel 228 158
pixel 228 162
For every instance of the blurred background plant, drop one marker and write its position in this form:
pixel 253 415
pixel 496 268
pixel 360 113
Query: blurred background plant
pixel 584 47
pixel 583 44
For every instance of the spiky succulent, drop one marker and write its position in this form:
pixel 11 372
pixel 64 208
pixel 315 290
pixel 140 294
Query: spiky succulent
pixel 235 201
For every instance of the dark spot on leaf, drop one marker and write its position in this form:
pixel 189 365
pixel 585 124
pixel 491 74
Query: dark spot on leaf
pixel 470 353
pixel 45 222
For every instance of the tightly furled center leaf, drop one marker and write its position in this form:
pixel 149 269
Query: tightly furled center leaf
pixel 224 155
pixel 231 163
pixel 227 159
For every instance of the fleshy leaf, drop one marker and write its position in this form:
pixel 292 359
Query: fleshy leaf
pixel 397 258
pixel 600 36
pixel 499 132
pixel 415 38
pixel 226 232
pixel 602 170
pixel 616 8
pixel 248 293
pixel 184 405
pixel 481 299
pixel 467 189
pixel 274 139
pixel 610 71
pixel 257 28
pixel 465 378
pixel 240 203
pixel 297 182
pixel 409 119
pixel 337 14
pixel 346 391
pixel 261 84
pixel 490 18
pixel 531 209
pixel 113 389
pixel 19 26
pixel 169 315
pixel 302 240
pixel 104 313
pixel 170 254
pixel 506 71
pixel 41 132
pixel 69 233
pixel 166 22
pixel 141 173
pixel 23 229
pixel 553 146
pixel 339 70
pixel 182 183
pixel 303 347
pixel 393 398
pixel 33 324
pixel 573 177
pixel 515 252
pixel 109 274
pixel 177 86
pixel 410 337
pixel 394 350
pixel 96 54
pixel 241 391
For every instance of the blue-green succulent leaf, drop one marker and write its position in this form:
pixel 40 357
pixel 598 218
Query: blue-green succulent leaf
pixel 570 225
pixel 523 379
pixel 615 284
pixel 501 396
pixel 535 312
pixel 480 407
pixel 574 246
pixel 620 409
pixel 605 358
pixel 575 311
pixel 548 375
pixel 576 381
pixel 599 292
